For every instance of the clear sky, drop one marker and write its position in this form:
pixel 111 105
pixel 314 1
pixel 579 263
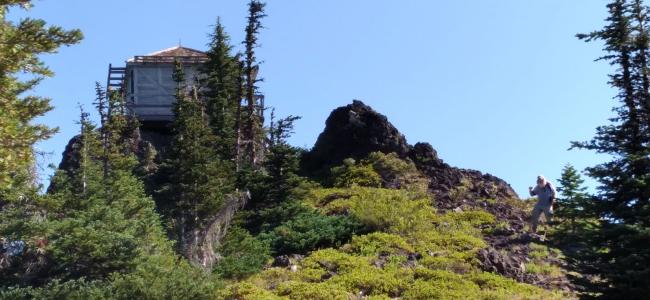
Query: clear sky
pixel 500 86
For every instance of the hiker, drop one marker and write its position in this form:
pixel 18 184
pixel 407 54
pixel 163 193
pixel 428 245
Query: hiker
pixel 545 193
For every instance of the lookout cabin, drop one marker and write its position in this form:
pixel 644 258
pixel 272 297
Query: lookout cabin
pixel 147 82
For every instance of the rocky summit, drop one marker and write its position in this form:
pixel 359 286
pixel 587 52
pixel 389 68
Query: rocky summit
pixel 356 130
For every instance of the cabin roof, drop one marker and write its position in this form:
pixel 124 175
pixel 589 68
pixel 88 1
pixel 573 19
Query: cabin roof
pixel 178 51
pixel 168 55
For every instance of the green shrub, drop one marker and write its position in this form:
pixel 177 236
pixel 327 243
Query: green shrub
pixel 243 255
pixel 270 278
pixel 370 280
pixel 379 209
pixel 538 251
pixel 164 277
pixel 352 174
pixel 310 230
pixel 354 273
pixel 442 288
pixel 333 260
pixel 450 261
pixel 265 219
pixel 379 242
pixel 469 217
pixel 246 290
pixel 380 170
pixel 56 289
pixel 544 269
pixel 495 282
pixel 397 173
pixel 312 291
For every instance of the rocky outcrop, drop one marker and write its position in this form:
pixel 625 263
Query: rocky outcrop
pixel 508 265
pixel 510 253
pixel 357 130
pixel 453 186
pixel 354 131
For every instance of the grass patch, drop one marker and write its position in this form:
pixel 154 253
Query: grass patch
pixel 543 269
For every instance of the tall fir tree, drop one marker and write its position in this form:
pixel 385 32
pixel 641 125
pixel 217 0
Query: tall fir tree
pixel 623 208
pixel 223 91
pixel 199 178
pixel 21 44
pixel 252 118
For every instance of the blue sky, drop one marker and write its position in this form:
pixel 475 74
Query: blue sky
pixel 500 86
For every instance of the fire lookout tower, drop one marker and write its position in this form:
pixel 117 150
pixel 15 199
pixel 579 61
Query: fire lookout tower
pixel 147 82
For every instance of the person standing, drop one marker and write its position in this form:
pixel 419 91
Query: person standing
pixel 545 193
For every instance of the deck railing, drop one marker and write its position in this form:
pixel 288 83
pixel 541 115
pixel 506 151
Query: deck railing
pixel 170 59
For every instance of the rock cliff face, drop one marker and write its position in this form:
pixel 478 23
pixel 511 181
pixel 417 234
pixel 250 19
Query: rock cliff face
pixel 356 130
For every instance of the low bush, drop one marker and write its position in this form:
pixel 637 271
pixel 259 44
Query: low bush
pixel 380 170
pixel 56 289
pixel 379 242
pixel 309 231
pixel 392 211
pixel 397 173
pixel 243 255
pixel 352 174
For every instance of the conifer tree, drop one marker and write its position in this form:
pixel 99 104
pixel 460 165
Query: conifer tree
pixel 252 118
pixel 282 160
pixel 199 178
pixel 21 44
pixel 623 208
pixel 273 184
pixel 118 130
pixel 223 90
pixel 574 202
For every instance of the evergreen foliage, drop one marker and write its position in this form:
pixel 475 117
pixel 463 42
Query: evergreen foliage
pixel 380 265
pixel 305 229
pixel 281 161
pixel 352 174
pixel 97 236
pixel 574 201
pixel 379 170
pixel 252 119
pixel 243 255
pixel 223 91
pixel 199 178
pixel 274 184
pixel 624 208
pixel 21 44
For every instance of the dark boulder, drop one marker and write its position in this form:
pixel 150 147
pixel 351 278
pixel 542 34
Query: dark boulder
pixel 354 131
